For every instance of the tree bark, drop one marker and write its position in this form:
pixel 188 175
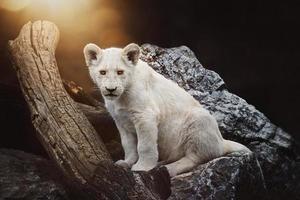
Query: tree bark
pixel 62 128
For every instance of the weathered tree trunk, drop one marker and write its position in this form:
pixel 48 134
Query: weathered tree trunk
pixel 63 130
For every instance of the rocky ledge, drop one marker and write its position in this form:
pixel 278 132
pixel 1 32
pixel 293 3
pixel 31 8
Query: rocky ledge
pixel 278 164
pixel 26 176
pixel 234 176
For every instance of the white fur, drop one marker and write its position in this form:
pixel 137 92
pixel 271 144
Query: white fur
pixel 157 120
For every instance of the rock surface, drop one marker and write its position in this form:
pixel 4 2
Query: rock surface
pixel 235 176
pixel 25 176
pixel 275 150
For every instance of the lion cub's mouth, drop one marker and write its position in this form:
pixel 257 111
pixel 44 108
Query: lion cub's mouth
pixel 110 95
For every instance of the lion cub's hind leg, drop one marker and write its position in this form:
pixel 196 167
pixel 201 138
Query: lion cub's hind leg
pixel 202 142
pixel 185 164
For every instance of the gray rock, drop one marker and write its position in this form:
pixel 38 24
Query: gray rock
pixel 25 176
pixel 235 176
pixel 274 148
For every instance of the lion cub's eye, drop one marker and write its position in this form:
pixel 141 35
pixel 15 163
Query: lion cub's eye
pixel 102 72
pixel 120 72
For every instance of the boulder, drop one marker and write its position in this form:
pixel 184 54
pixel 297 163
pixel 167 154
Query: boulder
pixel 26 176
pixel 275 150
pixel 235 176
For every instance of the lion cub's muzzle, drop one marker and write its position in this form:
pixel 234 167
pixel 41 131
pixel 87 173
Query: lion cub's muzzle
pixel 110 92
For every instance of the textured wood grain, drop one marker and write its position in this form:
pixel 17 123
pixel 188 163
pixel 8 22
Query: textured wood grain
pixel 63 130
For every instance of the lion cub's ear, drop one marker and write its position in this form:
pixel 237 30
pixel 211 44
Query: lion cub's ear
pixel 131 53
pixel 92 54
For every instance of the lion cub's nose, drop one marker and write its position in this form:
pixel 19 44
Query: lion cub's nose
pixel 111 89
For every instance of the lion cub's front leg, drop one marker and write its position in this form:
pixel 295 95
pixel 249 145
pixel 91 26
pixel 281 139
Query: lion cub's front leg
pixel 129 144
pixel 146 130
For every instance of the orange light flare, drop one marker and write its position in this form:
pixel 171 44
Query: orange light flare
pixel 58 8
pixel 79 21
pixel 77 18
pixel 14 5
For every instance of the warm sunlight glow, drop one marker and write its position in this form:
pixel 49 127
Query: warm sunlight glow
pixel 79 22
pixel 49 5
pixel 59 8
pixel 14 5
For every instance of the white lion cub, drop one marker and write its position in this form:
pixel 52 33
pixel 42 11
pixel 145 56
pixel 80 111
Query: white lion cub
pixel 157 120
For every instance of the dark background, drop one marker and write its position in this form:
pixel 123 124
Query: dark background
pixel 253 45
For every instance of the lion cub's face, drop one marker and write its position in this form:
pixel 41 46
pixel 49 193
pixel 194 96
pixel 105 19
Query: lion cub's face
pixel 111 69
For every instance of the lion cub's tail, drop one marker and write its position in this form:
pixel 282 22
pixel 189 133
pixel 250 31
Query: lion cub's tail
pixel 231 146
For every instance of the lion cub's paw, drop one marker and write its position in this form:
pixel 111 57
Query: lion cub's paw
pixel 138 167
pixel 122 163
